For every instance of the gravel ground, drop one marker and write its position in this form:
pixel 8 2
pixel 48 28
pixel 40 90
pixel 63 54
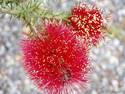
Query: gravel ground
pixel 108 58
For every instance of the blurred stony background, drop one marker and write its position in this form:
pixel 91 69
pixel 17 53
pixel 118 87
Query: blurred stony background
pixel 108 58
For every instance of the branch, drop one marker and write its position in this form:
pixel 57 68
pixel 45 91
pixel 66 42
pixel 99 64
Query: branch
pixel 29 11
pixel 7 11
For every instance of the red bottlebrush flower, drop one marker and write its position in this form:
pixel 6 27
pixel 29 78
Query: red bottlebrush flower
pixel 87 21
pixel 57 63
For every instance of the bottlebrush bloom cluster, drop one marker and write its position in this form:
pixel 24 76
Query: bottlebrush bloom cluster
pixel 87 21
pixel 57 58
pixel 56 61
